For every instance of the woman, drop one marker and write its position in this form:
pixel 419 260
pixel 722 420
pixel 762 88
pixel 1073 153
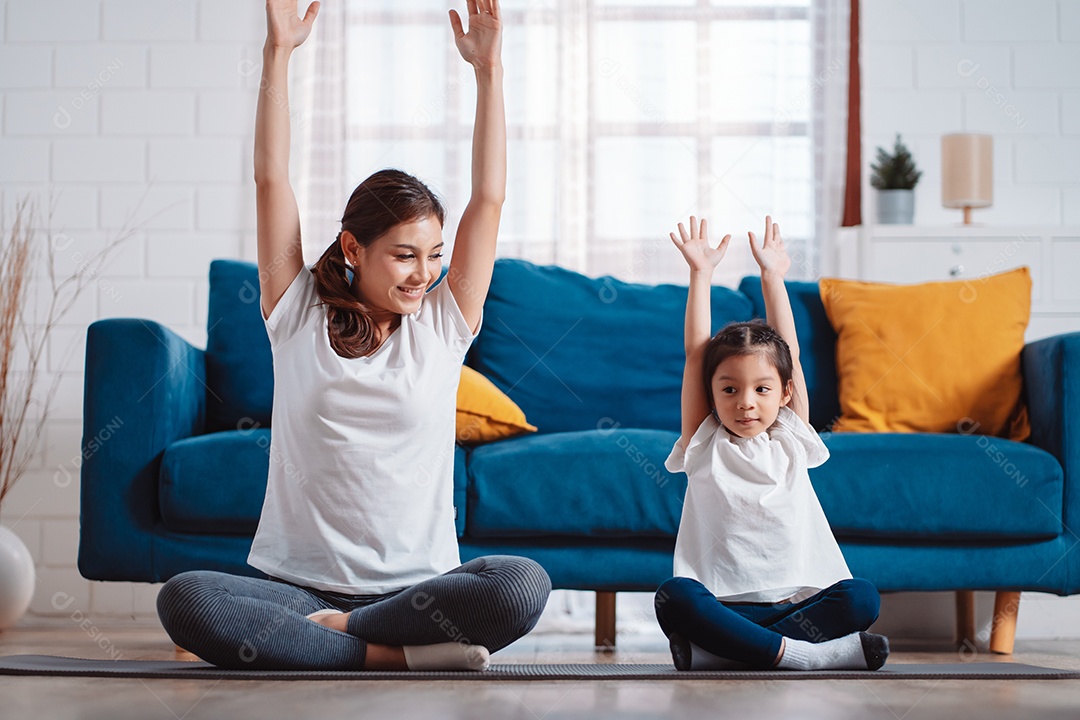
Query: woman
pixel 357 534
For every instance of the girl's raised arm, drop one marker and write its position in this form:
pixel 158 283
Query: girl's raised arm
pixel 278 219
pixel 773 259
pixel 473 257
pixel 702 260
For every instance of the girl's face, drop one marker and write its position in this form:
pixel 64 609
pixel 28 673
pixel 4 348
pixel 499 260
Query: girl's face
pixel 748 394
pixel 394 271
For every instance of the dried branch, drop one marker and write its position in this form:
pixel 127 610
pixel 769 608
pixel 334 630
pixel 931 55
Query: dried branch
pixel 21 429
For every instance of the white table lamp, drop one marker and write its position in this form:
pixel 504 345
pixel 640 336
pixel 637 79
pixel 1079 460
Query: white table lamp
pixel 967 172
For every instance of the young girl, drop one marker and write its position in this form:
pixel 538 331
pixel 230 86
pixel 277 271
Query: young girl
pixel 360 558
pixel 759 579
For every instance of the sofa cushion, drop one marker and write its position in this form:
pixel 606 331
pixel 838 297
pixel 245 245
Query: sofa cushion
pixel 932 357
pixel 485 413
pixel 877 486
pixel 817 345
pixel 214 484
pixel 575 352
pixel 239 362
pixel 591 483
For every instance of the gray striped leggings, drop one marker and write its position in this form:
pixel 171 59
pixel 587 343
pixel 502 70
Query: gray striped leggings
pixel 248 623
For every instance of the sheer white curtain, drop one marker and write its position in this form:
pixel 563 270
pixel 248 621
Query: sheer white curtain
pixel 830 113
pixel 624 116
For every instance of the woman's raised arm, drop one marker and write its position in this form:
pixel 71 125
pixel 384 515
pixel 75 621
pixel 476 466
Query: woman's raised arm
pixel 474 247
pixel 278 219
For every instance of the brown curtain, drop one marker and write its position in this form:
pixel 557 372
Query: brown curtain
pixel 853 183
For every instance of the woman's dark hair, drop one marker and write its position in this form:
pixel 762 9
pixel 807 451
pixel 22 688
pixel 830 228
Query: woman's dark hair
pixel 746 338
pixel 386 199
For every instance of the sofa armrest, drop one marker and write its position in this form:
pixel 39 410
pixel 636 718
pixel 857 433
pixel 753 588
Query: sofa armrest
pixel 144 388
pixel 1052 388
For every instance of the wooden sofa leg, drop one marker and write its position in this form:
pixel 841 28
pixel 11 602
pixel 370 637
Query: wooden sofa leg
pixel 1003 628
pixel 965 618
pixel 605 619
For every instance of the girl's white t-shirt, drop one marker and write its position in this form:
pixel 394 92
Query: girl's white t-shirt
pixel 359 497
pixel 752 529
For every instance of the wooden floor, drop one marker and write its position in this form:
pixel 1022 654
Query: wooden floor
pixel 43 698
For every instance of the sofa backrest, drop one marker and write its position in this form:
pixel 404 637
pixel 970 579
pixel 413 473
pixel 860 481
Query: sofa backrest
pixel 575 353
pixel 817 345
pixel 578 353
pixel 239 362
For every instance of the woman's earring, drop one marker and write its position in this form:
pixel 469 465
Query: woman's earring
pixel 349 274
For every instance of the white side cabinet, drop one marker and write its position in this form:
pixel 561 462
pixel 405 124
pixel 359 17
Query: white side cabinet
pixel 913 253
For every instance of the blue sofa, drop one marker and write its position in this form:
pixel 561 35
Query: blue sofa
pixel 596 365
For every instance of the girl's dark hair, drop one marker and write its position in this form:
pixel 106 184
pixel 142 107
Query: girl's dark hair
pixel 386 199
pixel 746 338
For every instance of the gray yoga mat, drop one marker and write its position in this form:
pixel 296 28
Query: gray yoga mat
pixel 63 666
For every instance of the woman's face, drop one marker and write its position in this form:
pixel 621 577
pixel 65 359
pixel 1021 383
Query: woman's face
pixel 394 271
pixel 748 394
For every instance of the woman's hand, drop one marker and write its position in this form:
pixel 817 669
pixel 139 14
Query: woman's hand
pixel 482 45
pixel 771 257
pixel 284 28
pixel 695 248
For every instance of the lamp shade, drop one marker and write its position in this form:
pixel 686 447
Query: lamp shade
pixel 967 170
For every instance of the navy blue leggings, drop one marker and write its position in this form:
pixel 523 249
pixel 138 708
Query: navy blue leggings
pixel 750 633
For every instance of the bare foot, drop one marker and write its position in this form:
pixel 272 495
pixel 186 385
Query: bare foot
pixel 332 619
pixel 378 657
pixel 384 657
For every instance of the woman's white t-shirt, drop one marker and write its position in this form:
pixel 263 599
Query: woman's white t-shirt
pixel 752 529
pixel 359 497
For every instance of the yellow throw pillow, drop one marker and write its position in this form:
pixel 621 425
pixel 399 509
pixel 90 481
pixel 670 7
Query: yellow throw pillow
pixel 938 357
pixel 485 413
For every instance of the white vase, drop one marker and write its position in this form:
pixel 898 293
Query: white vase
pixel 16 578
pixel 895 207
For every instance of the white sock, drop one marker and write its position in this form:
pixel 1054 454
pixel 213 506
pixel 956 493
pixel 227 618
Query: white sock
pixel 446 656
pixel 705 660
pixel 857 651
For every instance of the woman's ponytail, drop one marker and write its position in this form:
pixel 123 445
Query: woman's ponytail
pixel 349 324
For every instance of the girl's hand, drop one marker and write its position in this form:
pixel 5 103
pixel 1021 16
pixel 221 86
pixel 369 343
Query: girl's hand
pixel 482 45
pixel 772 257
pixel 695 248
pixel 284 28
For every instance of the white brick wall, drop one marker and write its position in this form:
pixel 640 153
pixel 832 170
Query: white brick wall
pixel 1006 67
pixel 161 206
pixel 161 110
pixel 100 160
pixel 120 110
pixel 139 112
pixel 1010 22
pixel 148 22
pixel 1070 22
pixel 198 66
pixel 111 64
pixel 50 113
pixel 52 21
pixel 25 66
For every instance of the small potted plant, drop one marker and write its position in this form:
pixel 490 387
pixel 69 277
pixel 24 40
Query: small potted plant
pixel 895 176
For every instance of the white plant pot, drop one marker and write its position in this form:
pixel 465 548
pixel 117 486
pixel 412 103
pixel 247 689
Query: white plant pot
pixel 896 207
pixel 16 578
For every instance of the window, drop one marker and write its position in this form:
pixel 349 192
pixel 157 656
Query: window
pixel 623 118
